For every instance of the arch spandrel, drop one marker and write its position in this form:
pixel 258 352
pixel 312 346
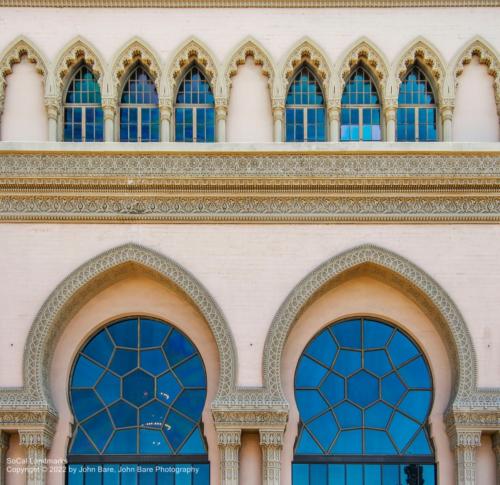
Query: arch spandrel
pixel 21 48
pixel 402 274
pixel 78 51
pixel 87 281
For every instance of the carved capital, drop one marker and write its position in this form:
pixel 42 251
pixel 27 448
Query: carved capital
pixel 465 438
pixel 52 106
pixel 333 113
pixel 166 108
pixel 271 437
pixel 278 106
pixel 390 107
pixel 35 438
pixel 230 438
pixel 109 108
pixel 446 109
pixel 221 108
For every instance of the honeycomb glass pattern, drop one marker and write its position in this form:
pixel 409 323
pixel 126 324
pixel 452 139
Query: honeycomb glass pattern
pixel 363 387
pixel 138 387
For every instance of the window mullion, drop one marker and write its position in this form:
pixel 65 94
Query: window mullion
pixel 360 123
pixel 139 124
pixel 304 118
pixel 194 124
pixel 83 124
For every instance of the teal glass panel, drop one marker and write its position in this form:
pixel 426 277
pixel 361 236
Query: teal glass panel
pixel 324 428
pixel 189 372
pixel 376 361
pixel 92 475
pixel 129 475
pixel 202 476
pixel 401 349
pixel 333 388
pixel 310 403
pixel 85 403
pixel 392 389
pixel 348 415
pixel 153 361
pixel 124 442
pixel 178 348
pixel 138 388
pixel 420 445
pixel 177 428
pixel 373 475
pixel 191 402
pixel 416 404
pixel 376 334
pixel 99 429
pixel 75 475
pixel 306 444
pixel 348 443
pixel 153 415
pixel 82 445
pixel 167 388
pixel 363 389
pixel 348 334
pixel 402 429
pixel 348 362
pixel 416 374
pixel 318 474
pixel 377 416
pixel 390 475
pixel 124 333
pixel 146 474
pixel 354 474
pixel 322 348
pixel 124 361
pixel 378 443
pixel 108 388
pixel 152 333
pixel 86 373
pixel 153 442
pixel 194 445
pixel 309 373
pixel 111 475
pixel 123 414
pixel 336 474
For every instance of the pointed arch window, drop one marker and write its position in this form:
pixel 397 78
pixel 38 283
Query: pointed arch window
pixel 364 392
pixel 360 115
pixel 305 114
pixel 83 114
pixel 139 112
pixel 137 391
pixel 417 112
pixel 195 109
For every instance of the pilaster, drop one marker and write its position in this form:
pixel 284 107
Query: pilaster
pixel 220 117
pixel 165 118
pixel 52 106
pixel 229 442
pixel 334 121
pixel 446 111
pixel 4 446
pixel 109 110
pixel 278 105
pixel 271 443
pixel 465 444
pixel 390 108
pixel 496 448
pixel 37 442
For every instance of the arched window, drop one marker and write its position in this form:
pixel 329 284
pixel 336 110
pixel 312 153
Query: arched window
pixel 364 392
pixel 305 108
pixel 137 391
pixel 83 115
pixel 417 113
pixel 139 112
pixel 360 116
pixel 194 109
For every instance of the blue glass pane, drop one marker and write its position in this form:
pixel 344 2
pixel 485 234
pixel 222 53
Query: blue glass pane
pixel 322 348
pixel 85 403
pixel 129 475
pixel 124 333
pixel 377 416
pixel 306 444
pixel 392 389
pixel 147 475
pixel 177 429
pixel 191 373
pixel 191 402
pixel 373 475
pixel 420 445
pixel 348 415
pixel 310 403
pixel 123 414
pixel 376 361
pixel 112 475
pixel 309 373
pixel 99 429
pixel 75 475
pixel 336 474
pixel 333 388
pixel 416 404
pixel 165 475
pixel 138 388
pixel 124 361
pixel 401 349
pixel 86 373
pixel 108 388
pixel 153 415
pixel 324 429
pixel 363 388
pixel 300 474
pixel 153 442
pixel 318 474
pixel 139 88
pixel 378 443
pixel 354 474
pixel 402 430
pixel 348 443
pixel 428 474
pixel 177 348
pixel 92 475
pixel 82 445
pixel 348 362
pixel 416 374
pixel 348 334
pixel 123 442
pixel 202 476
pixel 390 475
pixel 194 445
pixel 153 333
pixel 153 361
pixel 168 388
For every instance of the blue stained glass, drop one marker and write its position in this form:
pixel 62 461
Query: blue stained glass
pixel 324 428
pixel 402 430
pixel 147 475
pixel 188 374
pixel 310 403
pixel 309 373
pixel 333 388
pixel 306 444
pixel 177 348
pixel 373 474
pixel 416 374
pixel 124 333
pixel 86 373
pixel 194 444
pixel 318 474
pixel 123 414
pixel 354 474
pixel 348 443
pixel 75 474
pixel 177 428
pixel 109 388
pixel 152 415
pixel 138 388
pixel 300 474
pixel 322 348
pixel 336 474
pixel 416 404
pixel 348 362
pixel 153 442
pixel 377 416
pixel 99 428
pixel 168 388
pixel 420 445
pixel 363 388
pixel 153 333
pixel 376 361
pixel 129 475
pixel 401 349
pixel 348 415
pixel 202 477
pixel 153 361
pixel 112 475
pixel 82 445
pixel 191 402
pixel 378 443
pixel 85 403
pixel 348 334
pixel 92 475
pixel 124 361
pixel 392 389
pixel 390 474
pixel 124 442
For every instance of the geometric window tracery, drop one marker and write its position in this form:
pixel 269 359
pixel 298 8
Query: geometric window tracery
pixel 417 112
pixel 137 390
pixel 364 392
pixel 305 114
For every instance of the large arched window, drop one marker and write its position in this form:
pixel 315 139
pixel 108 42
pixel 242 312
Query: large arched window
pixel 83 115
pixel 137 391
pixel 417 113
pixel 360 116
pixel 139 112
pixel 364 392
pixel 305 108
pixel 194 109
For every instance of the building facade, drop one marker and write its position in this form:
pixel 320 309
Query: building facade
pixel 250 242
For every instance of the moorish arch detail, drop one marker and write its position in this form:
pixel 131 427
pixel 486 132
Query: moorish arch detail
pixel 192 51
pixel 77 51
pixel 413 281
pixel 366 53
pixel 13 54
pixel 81 285
pixel 249 48
pixel 428 57
pixel 135 51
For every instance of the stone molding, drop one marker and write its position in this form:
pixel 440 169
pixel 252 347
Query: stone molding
pixel 35 438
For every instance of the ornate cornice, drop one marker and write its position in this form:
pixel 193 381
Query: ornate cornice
pixel 247 3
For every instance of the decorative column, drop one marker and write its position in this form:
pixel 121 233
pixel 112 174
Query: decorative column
pixel 109 109
pixel 271 443
pixel 446 111
pixel 165 118
pixel 4 446
pixel 278 119
pixel 2 102
pixel 390 108
pixel 465 443
pixel 220 117
pixel 229 447
pixel 52 106
pixel 496 448
pixel 334 122
pixel 36 442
